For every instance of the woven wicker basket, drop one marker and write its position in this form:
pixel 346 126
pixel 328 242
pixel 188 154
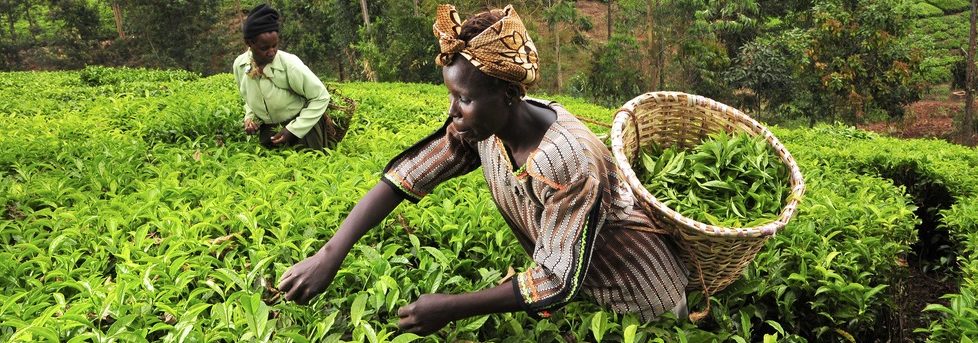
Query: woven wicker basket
pixel 715 255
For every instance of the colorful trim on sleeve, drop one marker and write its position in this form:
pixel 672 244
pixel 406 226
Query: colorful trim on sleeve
pixel 401 187
pixel 523 298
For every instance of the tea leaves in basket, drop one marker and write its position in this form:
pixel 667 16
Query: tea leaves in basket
pixel 729 181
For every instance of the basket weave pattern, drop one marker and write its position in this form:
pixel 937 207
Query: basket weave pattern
pixel 716 256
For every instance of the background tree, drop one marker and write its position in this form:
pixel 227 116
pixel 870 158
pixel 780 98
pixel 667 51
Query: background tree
pixel 821 60
pixel 763 75
pixel 968 129
pixel 178 34
pixel 117 17
pixel 399 45
pixel 78 30
pixel 560 14
pixel 612 79
pixel 859 60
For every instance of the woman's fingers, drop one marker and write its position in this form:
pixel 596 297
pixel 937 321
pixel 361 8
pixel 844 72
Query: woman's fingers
pixel 287 279
pixel 278 138
pixel 288 273
pixel 304 296
pixel 295 291
pixel 406 324
pixel 405 310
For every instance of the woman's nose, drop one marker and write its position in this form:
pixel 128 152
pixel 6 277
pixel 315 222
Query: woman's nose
pixel 453 110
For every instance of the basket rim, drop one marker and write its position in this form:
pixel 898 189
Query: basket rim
pixel 624 116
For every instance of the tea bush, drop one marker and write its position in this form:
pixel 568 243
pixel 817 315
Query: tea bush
pixel 943 179
pixel 923 10
pixel 948 32
pixel 960 319
pixel 950 5
pixel 139 211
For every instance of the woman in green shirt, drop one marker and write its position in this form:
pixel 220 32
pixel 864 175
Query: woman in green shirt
pixel 285 103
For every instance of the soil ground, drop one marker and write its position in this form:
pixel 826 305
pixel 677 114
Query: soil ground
pixel 912 295
pixel 932 117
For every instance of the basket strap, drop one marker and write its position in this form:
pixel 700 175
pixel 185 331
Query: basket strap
pixel 649 229
pixel 592 121
pixel 697 316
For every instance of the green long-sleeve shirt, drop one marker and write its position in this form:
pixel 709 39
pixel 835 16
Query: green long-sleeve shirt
pixel 287 88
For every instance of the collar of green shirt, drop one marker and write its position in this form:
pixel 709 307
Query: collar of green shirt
pixel 270 69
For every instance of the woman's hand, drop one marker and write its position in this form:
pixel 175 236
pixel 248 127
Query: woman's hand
pixel 310 277
pixel 428 314
pixel 250 126
pixel 283 136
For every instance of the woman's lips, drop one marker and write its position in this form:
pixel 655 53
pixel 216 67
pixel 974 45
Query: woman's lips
pixel 463 135
pixel 460 132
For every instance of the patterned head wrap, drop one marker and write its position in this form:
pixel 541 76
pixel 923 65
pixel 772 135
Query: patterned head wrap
pixel 504 50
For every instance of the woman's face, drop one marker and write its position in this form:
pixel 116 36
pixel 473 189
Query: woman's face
pixel 263 47
pixel 477 102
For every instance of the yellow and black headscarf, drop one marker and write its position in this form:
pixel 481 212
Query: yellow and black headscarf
pixel 504 50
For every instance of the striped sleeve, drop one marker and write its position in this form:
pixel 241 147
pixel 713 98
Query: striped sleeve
pixel 437 158
pixel 563 248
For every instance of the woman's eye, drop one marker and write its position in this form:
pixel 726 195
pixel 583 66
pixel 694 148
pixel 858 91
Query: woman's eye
pixel 464 100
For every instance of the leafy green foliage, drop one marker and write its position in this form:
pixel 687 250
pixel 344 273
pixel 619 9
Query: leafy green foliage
pixel 960 320
pixel 139 211
pixel 765 67
pixel 100 76
pixel 924 10
pixel 398 46
pixel 613 79
pixel 950 5
pixel 177 34
pixel 727 180
pixel 942 39
pixel 949 32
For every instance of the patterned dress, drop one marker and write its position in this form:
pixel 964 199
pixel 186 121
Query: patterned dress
pixel 569 208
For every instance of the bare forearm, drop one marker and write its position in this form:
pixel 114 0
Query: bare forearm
pixel 433 311
pixel 499 299
pixel 380 201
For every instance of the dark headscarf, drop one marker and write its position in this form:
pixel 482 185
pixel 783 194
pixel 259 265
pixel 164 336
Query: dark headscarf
pixel 261 19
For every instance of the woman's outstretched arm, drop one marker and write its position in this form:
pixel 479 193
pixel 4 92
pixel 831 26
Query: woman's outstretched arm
pixel 311 276
pixel 432 312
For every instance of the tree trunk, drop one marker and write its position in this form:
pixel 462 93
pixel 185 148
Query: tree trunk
pixel 339 67
pixel 968 124
pixel 650 40
pixel 662 64
pixel 609 20
pixel 239 12
pixel 13 31
pixel 417 11
pixel 556 31
pixel 117 15
pixel 33 28
pixel 363 9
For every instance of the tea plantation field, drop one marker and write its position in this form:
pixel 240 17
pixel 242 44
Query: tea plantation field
pixel 134 208
pixel 945 25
